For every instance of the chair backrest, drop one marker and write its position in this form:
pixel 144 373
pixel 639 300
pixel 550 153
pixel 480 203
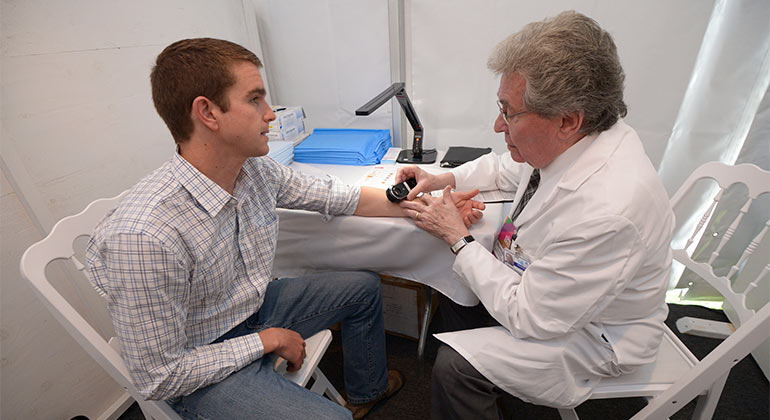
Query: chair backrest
pixel 729 263
pixel 59 244
pixel 757 182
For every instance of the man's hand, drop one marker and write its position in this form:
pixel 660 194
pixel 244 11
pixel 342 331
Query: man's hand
pixel 469 208
pixel 438 216
pixel 285 343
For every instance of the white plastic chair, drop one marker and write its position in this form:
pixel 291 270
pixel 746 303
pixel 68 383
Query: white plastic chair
pixel 677 376
pixel 315 348
pixel 59 245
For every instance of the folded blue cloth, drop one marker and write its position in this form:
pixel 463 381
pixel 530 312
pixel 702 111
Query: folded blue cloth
pixel 344 146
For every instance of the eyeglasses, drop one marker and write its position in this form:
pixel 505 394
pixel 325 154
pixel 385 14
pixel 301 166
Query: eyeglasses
pixel 507 117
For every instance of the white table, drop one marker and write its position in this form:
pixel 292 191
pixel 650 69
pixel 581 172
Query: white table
pixel 387 245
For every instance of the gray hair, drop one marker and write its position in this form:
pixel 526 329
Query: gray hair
pixel 571 65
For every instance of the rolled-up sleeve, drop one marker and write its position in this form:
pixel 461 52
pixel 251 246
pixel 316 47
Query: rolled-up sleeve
pixel 295 190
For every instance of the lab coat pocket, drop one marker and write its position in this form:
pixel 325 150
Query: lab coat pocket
pixel 514 257
pixel 603 339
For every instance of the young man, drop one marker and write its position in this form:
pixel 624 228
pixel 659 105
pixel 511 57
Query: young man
pixel 185 260
pixel 574 290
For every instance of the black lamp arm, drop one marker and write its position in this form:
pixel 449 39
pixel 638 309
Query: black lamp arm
pixel 399 91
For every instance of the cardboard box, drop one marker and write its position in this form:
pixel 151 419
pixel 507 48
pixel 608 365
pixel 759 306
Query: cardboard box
pixel 403 305
pixel 288 123
pixel 286 134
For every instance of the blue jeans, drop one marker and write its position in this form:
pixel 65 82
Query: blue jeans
pixel 306 305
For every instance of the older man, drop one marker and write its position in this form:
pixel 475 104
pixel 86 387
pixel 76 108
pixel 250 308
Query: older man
pixel 574 288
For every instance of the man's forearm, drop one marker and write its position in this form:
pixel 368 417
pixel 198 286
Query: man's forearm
pixel 373 202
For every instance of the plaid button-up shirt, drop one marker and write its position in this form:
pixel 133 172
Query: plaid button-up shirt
pixel 181 262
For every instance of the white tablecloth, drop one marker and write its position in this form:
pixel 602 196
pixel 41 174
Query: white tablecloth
pixel 386 245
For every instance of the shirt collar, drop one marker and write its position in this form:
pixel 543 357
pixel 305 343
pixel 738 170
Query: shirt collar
pixel 206 192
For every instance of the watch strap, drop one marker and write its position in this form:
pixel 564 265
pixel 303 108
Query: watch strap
pixel 460 244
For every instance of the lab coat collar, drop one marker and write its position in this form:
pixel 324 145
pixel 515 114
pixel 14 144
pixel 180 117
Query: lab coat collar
pixel 572 168
pixel 595 154
pixel 555 171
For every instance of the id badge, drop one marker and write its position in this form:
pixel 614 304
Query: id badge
pixel 513 257
pixel 508 251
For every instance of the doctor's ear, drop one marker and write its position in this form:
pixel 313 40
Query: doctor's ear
pixel 570 124
pixel 205 112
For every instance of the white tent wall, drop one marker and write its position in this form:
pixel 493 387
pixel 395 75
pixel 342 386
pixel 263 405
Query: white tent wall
pixel 728 83
pixel 77 124
pixel 77 121
pixel 455 94
pixel 329 56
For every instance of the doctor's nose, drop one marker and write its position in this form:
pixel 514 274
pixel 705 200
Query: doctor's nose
pixel 500 125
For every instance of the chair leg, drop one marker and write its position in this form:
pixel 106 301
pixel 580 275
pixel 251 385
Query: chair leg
pixel 707 404
pixel 649 398
pixel 322 386
pixel 425 320
pixel 568 414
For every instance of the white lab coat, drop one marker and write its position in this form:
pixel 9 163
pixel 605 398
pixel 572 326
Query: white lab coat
pixel 591 303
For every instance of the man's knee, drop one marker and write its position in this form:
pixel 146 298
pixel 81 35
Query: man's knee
pixel 366 283
pixel 370 280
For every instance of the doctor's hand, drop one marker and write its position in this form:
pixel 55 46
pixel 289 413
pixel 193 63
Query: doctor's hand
pixel 469 209
pixel 426 182
pixel 285 343
pixel 438 216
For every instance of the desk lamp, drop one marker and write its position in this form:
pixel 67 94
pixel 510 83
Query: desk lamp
pixel 416 155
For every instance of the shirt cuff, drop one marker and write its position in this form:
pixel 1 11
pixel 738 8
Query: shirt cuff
pixel 344 199
pixel 246 349
pixel 354 199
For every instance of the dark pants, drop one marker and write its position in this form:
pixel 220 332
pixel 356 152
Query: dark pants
pixel 458 390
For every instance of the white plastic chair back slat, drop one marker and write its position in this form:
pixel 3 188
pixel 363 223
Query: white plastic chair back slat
pixel 677 376
pixel 749 250
pixel 59 245
pixel 757 182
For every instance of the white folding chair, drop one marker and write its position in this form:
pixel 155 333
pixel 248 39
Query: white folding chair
pixel 677 376
pixel 315 348
pixel 59 245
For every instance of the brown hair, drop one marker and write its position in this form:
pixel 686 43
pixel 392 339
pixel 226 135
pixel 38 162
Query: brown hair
pixel 571 65
pixel 190 68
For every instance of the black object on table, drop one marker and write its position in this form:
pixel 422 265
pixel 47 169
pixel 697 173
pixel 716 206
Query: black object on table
pixel 457 155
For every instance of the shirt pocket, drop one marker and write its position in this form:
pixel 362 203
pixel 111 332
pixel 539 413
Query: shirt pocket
pixel 217 270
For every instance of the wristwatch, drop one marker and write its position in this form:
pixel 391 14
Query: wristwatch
pixel 460 244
